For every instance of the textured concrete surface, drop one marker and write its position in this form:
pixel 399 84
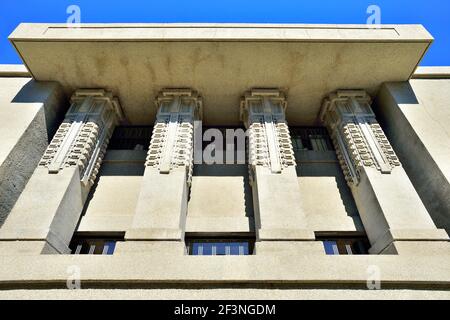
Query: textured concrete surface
pixel 30 112
pixel 278 205
pixel 48 210
pixel 432 73
pixel 286 269
pixel 220 200
pixel 326 199
pixel 14 70
pixel 161 207
pixel 221 62
pixel 417 121
pixel 112 202
pixel 226 294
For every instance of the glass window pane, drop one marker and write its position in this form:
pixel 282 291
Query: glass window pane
pixel 91 249
pixel 111 247
pixel 331 247
pixel 348 248
pixel 219 248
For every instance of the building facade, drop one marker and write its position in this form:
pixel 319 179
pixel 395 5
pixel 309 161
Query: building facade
pixel 224 161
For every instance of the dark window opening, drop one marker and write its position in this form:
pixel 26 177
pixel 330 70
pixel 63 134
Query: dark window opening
pixel 310 139
pixel 220 246
pixel 95 244
pixel 131 138
pixel 344 244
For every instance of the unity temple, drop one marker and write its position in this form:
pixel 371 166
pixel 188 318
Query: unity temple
pixel 202 161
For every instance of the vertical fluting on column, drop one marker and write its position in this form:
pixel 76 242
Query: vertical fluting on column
pixel 171 145
pixel 82 138
pixel 357 136
pixel 269 144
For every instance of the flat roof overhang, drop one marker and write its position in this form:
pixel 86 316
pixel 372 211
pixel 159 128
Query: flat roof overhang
pixel 221 61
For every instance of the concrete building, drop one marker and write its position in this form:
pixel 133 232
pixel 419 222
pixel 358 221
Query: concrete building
pixel 340 187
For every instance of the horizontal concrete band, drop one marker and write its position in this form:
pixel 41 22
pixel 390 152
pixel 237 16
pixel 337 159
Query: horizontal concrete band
pixel 432 73
pixel 133 271
pixel 14 70
pixel 20 70
pixel 154 234
pixel 408 235
pixel 157 56
pixel 176 31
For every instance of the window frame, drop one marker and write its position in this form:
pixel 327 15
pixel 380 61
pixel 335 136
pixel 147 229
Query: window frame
pixel 343 242
pixel 100 239
pixel 315 139
pixel 192 238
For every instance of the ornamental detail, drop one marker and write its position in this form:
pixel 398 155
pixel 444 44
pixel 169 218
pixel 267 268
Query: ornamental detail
pixel 82 138
pixel 269 143
pixel 172 142
pixel 358 138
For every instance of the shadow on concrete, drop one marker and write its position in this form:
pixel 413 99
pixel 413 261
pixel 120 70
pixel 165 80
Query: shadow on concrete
pixel 425 174
pixel 331 169
pixel 24 157
pixel 51 95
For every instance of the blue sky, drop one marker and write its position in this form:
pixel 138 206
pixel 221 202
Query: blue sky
pixel 433 14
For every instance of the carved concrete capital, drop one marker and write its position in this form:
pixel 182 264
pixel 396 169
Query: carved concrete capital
pixel 270 145
pixel 82 138
pixel 358 138
pixel 172 140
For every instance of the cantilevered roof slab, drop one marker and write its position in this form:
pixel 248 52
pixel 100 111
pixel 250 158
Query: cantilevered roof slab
pixel 221 61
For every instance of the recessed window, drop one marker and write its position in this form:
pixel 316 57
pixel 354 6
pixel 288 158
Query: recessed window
pixel 131 138
pixel 219 247
pixel 345 244
pixel 99 244
pixel 310 139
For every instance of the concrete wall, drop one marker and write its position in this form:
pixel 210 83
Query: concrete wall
pixel 220 200
pixel 326 198
pixel 30 113
pixel 226 294
pixel 416 118
pixel 112 201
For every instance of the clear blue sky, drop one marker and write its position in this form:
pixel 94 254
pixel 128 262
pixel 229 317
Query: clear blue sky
pixel 433 14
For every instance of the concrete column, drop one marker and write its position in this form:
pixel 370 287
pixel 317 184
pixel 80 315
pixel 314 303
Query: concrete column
pixel 390 209
pixel 160 217
pixel 278 213
pixel 48 210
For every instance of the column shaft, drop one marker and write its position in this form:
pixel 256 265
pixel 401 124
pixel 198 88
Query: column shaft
pixel 389 206
pixel 47 212
pixel 278 212
pixel 160 215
